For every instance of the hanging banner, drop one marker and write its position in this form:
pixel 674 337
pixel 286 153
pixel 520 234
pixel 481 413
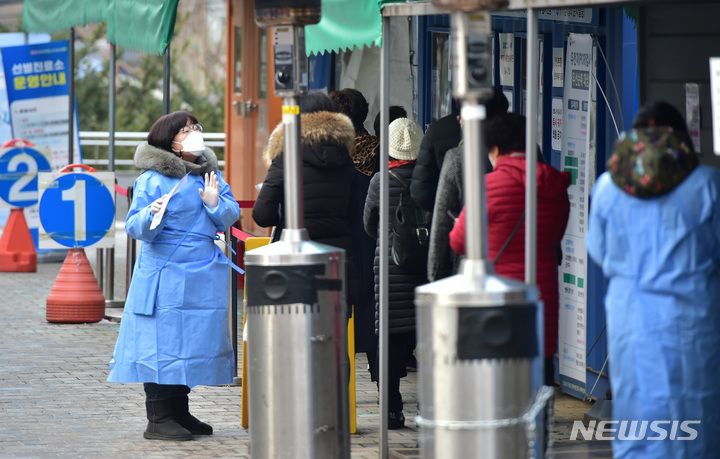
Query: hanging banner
pixel 37 89
pixel 577 156
pixel 557 120
pixel 692 114
pixel 557 73
pixel 507 59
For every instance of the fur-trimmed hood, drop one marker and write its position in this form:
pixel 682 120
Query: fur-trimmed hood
pixel 166 163
pixel 318 130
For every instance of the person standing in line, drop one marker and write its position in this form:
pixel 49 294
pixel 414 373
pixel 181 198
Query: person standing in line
pixel 328 175
pixel 654 229
pixel 404 143
pixel 394 112
pixel 505 187
pixel 174 333
pixel 442 135
pixel 449 199
pixel 352 103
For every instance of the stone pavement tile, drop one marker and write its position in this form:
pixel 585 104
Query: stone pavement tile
pixel 55 401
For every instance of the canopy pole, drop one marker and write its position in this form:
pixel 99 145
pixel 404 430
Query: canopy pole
pixel 71 96
pixel 383 234
pixel 109 259
pixel 166 80
pixel 531 149
pixel 111 109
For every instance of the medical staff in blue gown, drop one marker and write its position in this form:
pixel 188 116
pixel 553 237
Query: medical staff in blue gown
pixel 655 230
pixel 174 332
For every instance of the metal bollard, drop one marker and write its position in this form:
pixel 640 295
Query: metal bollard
pixel 297 348
pixel 479 366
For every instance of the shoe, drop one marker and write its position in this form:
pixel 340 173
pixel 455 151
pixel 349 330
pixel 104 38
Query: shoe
pixel 181 413
pixel 396 420
pixel 411 364
pixel 162 425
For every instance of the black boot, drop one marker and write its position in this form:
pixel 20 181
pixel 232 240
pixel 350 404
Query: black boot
pixel 162 425
pixel 182 415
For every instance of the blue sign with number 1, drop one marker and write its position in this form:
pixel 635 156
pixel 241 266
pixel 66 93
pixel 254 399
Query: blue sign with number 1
pixel 77 210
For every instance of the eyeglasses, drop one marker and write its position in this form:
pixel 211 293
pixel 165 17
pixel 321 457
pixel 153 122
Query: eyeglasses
pixel 187 129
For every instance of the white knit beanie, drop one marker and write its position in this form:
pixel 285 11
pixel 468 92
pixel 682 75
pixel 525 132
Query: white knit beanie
pixel 405 136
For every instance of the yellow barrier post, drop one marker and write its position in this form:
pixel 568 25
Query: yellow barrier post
pixel 351 388
pixel 250 243
pixel 253 243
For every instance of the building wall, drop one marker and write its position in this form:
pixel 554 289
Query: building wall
pixel 675 43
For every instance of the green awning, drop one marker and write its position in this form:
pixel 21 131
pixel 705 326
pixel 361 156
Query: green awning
pixel 345 24
pixel 142 25
pixel 55 15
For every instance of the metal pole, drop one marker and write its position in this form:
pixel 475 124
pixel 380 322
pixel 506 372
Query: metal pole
pixel 109 272
pixel 130 250
pixel 530 150
pixel 71 96
pixel 383 234
pixel 166 80
pixel 473 116
pixel 291 161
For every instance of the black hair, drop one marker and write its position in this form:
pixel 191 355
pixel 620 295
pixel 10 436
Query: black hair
pixel 396 111
pixel 316 101
pixel 495 103
pixel 167 127
pixel 661 113
pixel 507 132
pixel 352 103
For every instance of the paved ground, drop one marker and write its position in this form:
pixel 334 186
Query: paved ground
pixel 55 401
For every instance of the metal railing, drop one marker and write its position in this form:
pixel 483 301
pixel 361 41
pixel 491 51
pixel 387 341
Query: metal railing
pixel 131 139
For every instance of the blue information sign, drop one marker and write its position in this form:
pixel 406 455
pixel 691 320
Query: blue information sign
pixel 19 169
pixel 77 210
pixel 38 86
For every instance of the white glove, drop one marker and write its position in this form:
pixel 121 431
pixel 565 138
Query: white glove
pixel 157 204
pixel 211 193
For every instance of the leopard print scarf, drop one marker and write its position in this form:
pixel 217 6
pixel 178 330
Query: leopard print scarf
pixel 366 152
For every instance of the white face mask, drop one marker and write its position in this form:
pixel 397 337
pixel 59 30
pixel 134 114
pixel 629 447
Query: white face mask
pixel 492 161
pixel 193 143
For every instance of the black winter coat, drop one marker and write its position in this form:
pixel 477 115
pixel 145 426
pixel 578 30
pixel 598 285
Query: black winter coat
pixel 402 284
pixel 441 135
pixel 328 141
pixel 364 252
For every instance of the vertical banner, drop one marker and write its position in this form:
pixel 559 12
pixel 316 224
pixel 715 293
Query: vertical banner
pixel 576 159
pixel 37 88
pixel 15 39
pixel 715 99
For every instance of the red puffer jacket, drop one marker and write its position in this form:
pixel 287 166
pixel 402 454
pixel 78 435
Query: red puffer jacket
pixel 506 202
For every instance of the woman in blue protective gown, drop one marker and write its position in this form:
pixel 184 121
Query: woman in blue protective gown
pixel 655 230
pixel 175 332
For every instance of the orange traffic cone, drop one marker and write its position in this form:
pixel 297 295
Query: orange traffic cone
pixel 76 296
pixel 17 249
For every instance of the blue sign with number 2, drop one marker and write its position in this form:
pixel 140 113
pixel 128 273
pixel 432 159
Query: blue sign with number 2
pixel 77 210
pixel 18 176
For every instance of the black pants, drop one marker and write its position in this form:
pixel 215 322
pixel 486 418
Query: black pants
pixel 549 371
pixel 400 347
pixel 157 392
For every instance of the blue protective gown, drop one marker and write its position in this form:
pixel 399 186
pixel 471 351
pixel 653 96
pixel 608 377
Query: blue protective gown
pixel 661 258
pixel 186 339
